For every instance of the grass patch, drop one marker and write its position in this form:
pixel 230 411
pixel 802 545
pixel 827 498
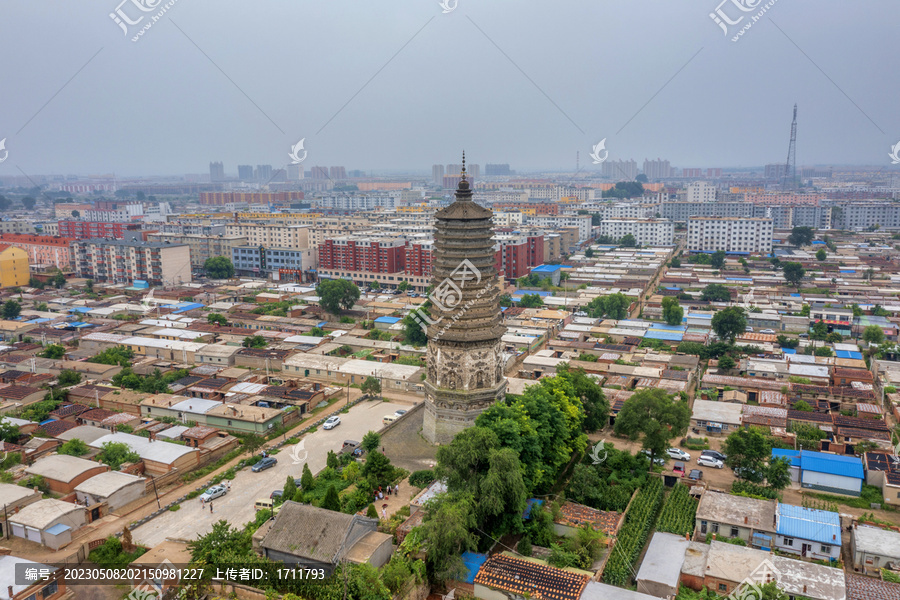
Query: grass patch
pixel 870 495
pixel 175 507
pixel 195 475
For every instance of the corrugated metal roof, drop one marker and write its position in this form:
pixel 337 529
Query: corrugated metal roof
pixel 809 524
pixel 791 455
pixel 820 462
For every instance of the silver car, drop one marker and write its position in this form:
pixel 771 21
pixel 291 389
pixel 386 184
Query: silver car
pixel 214 492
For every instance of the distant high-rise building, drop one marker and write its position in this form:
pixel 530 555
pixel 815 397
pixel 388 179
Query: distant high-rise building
pixel 338 172
pixel 319 173
pixel 263 173
pixel 356 174
pixel 714 172
pixel 496 170
pixel 453 169
pixel 657 169
pixel 691 173
pixel 619 170
pixel 216 171
pixel 294 172
pixel 700 191
pixel 474 170
pixel 437 174
pixel 279 175
pixel 775 171
pixel 245 172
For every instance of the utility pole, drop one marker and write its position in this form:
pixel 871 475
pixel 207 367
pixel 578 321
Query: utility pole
pixel 153 479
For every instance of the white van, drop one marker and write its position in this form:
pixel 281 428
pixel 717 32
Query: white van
pixel 388 419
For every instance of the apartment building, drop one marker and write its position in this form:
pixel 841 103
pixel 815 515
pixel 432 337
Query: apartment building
pixel 223 198
pixel 16 227
pixel 647 232
pixel 14 270
pixel 582 222
pixel 517 254
pixel 120 214
pixel 41 249
pixel 203 247
pixel 700 191
pixel 506 218
pixel 288 263
pixel 191 228
pixel 371 255
pixel 122 261
pixel 86 230
pixel 730 234
pixel 861 215
pixel 358 201
pixel 419 258
pixel 282 236
pixel 680 212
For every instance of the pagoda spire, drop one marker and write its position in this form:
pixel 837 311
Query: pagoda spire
pixel 464 165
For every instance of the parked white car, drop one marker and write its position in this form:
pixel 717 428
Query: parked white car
pixel 331 423
pixel 772 331
pixel 709 461
pixel 214 492
pixel 678 453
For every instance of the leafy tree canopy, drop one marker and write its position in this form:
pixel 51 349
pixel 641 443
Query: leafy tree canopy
pixel 654 417
pixel 729 322
pixel 218 267
pixel 337 294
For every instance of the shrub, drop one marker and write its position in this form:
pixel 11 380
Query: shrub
pixel 524 546
pixel 421 479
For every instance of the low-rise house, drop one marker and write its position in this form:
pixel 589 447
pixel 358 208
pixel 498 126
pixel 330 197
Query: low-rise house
pixel 573 516
pixel 870 588
pixel 809 532
pixel 63 473
pixel 159 457
pixel 504 576
pixel 114 488
pixel 217 354
pixel 829 472
pixel 594 590
pixel 49 522
pixel 749 519
pixel 51 588
pixel 13 396
pixel 874 548
pixel 660 572
pixel 883 471
pixel 317 538
pixel 14 497
pixel 716 418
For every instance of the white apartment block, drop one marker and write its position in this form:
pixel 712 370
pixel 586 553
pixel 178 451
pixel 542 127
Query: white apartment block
pixel 358 201
pixel 507 218
pixel 730 234
pixel 490 197
pixel 128 212
pixel 582 222
pixel 271 236
pixel 700 191
pixel 647 232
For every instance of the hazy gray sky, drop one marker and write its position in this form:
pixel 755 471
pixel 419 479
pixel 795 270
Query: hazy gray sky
pixel 275 71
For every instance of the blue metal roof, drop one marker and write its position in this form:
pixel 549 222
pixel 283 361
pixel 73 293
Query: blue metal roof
pixel 667 327
pixel 738 279
pixel 546 269
pixel 390 320
pixel 791 455
pixel 38 320
pixel 848 354
pixel 673 289
pixel 789 351
pixel 538 292
pixel 848 270
pixel 668 336
pixel 80 309
pixel 809 524
pixel 818 242
pixel 832 464
pixel 58 529
pixel 472 561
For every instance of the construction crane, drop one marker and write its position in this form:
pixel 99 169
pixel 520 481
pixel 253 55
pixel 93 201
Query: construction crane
pixel 789 182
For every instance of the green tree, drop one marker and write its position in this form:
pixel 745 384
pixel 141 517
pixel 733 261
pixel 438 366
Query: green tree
pixel 803 406
pixel 531 301
pixel 223 544
pixel 403 286
pixel 54 351
pixel 672 313
pixel 8 431
pixel 89 285
pixel 74 447
pixel 614 306
pixel 331 501
pixel 256 341
pixel 216 318
pixel 821 254
pixel 36 283
pixel 589 253
pixel 729 322
pixel 448 526
pixel 371 441
pixel 793 273
pixel 375 285
pixel 801 236
pixel 873 334
pixel 11 309
pixel 58 281
pixel 413 328
pixel 372 385
pixel 218 267
pixel 371 512
pixel 747 451
pixel 715 292
pixel 824 351
pixel 717 260
pixel 676 263
pixel 726 362
pixel 252 443
pixel 119 355
pixel 68 377
pixel 290 489
pixel 593 400
pixel 115 454
pixel 654 417
pixel 778 473
pixel 307 481
pixel 377 469
pixel 506 300
pixel 834 338
pixel 628 241
pixel 337 294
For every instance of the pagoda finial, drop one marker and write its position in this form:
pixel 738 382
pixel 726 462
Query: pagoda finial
pixel 464 165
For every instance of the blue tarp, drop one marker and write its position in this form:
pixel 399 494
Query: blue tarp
pixel 818 242
pixel 848 270
pixel 529 504
pixel 789 351
pixel 390 320
pixel 673 289
pixel 472 561
pixel 38 320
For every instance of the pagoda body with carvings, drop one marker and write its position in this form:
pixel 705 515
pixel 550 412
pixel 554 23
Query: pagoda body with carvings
pixel 465 362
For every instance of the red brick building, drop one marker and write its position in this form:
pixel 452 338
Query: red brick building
pixel 223 198
pixel 41 249
pixel 363 255
pixel 419 256
pixel 516 256
pixel 86 230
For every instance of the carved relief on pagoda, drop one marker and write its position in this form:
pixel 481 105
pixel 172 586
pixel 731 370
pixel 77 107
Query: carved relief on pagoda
pixel 465 369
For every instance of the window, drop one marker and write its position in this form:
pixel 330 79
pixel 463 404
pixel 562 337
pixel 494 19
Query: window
pixel 788 541
pixel 49 590
pixel 723 587
pixel 826 549
pixel 734 532
pixel 715 527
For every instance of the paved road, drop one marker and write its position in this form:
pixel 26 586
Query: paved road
pixel 237 506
